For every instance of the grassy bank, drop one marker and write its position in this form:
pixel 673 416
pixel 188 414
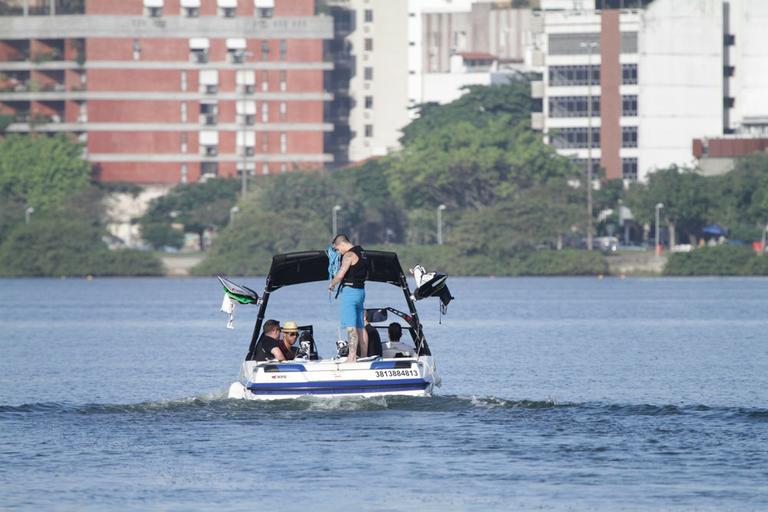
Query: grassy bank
pixel 723 260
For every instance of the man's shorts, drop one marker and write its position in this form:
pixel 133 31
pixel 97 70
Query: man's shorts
pixel 352 300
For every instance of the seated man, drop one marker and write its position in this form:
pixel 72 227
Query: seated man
pixel 271 346
pixel 394 348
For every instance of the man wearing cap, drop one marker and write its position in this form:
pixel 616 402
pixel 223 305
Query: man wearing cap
pixel 270 346
pixel 351 277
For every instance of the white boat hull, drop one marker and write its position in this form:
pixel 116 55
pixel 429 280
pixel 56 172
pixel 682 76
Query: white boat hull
pixel 336 378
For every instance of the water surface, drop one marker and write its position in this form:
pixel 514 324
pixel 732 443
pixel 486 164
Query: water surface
pixel 558 394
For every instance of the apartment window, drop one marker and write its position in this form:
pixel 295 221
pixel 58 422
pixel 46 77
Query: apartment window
pixel 265 143
pixel 184 144
pixel 574 137
pixel 629 106
pixel 184 172
pixel 264 8
pixel 368 73
pixel 573 106
pixel 198 47
pixel 283 49
pixel 246 112
pixel 190 8
pixel 629 169
pixel 264 112
pixel 246 81
pixel 581 164
pixel 246 142
pixel 629 74
pixel 209 81
pixel 283 110
pixel 265 169
pixel 209 168
pixel 368 15
pixel 283 143
pixel 368 44
pixel 183 111
pixel 183 80
pixel 283 81
pixel 265 50
pixel 369 130
pixel 369 102
pixel 227 8
pixel 574 75
pixel 136 49
pixel 209 112
pixel 629 136
pixel 283 167
pixel 265 81
pixel 153 8
pixel 250 168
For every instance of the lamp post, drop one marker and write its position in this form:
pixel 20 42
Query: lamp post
pixel 334 214
pixel 29 211
pixel 232 212
pixel 590 46
pixel 440 224
pixel 762 245
pixel 659 206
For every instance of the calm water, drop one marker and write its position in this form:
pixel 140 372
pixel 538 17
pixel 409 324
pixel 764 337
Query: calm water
pixel 558 394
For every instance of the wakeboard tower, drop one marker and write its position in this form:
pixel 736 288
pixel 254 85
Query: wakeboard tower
pixel 396 371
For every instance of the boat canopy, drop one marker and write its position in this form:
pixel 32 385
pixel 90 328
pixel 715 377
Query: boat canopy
pixel 310 266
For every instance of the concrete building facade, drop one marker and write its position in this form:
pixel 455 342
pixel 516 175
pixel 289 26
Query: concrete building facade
pixel 167 91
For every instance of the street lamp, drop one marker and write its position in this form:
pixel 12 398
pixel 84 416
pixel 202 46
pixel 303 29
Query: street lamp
pixel 590 46
pixel 29 211
pixel 440 224
pixel 659 206
pixel 334 214
pixel 232 212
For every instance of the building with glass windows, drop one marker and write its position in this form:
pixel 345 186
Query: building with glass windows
pixel 168 91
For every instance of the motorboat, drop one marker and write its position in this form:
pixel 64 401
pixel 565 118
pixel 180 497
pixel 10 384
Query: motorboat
pixel 395 371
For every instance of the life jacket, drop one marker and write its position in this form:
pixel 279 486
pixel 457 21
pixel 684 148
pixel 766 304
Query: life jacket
pixel 357 273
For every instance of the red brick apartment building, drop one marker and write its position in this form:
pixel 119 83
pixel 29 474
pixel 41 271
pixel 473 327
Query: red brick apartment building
pixel 166 91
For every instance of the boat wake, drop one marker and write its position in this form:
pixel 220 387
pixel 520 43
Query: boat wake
pixel 216 405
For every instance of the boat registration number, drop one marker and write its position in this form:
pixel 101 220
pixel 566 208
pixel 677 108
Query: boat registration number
pixel 397 373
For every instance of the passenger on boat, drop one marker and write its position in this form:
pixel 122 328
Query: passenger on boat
pixel 394 347
pixel 351 277
pixel 270 346
pixel 290 335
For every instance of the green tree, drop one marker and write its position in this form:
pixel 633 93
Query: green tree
pixel 462 166
pixel 247 247
pixel 41 171
pixel 478 106
pixel 535 217
pixel 197 206
pixel 686 196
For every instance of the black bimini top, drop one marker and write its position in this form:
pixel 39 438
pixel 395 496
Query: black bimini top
pixel 310 266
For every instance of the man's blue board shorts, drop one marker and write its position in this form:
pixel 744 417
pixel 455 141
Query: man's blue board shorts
pixel 352 300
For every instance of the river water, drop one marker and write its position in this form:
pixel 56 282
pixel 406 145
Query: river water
pixel 558 394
